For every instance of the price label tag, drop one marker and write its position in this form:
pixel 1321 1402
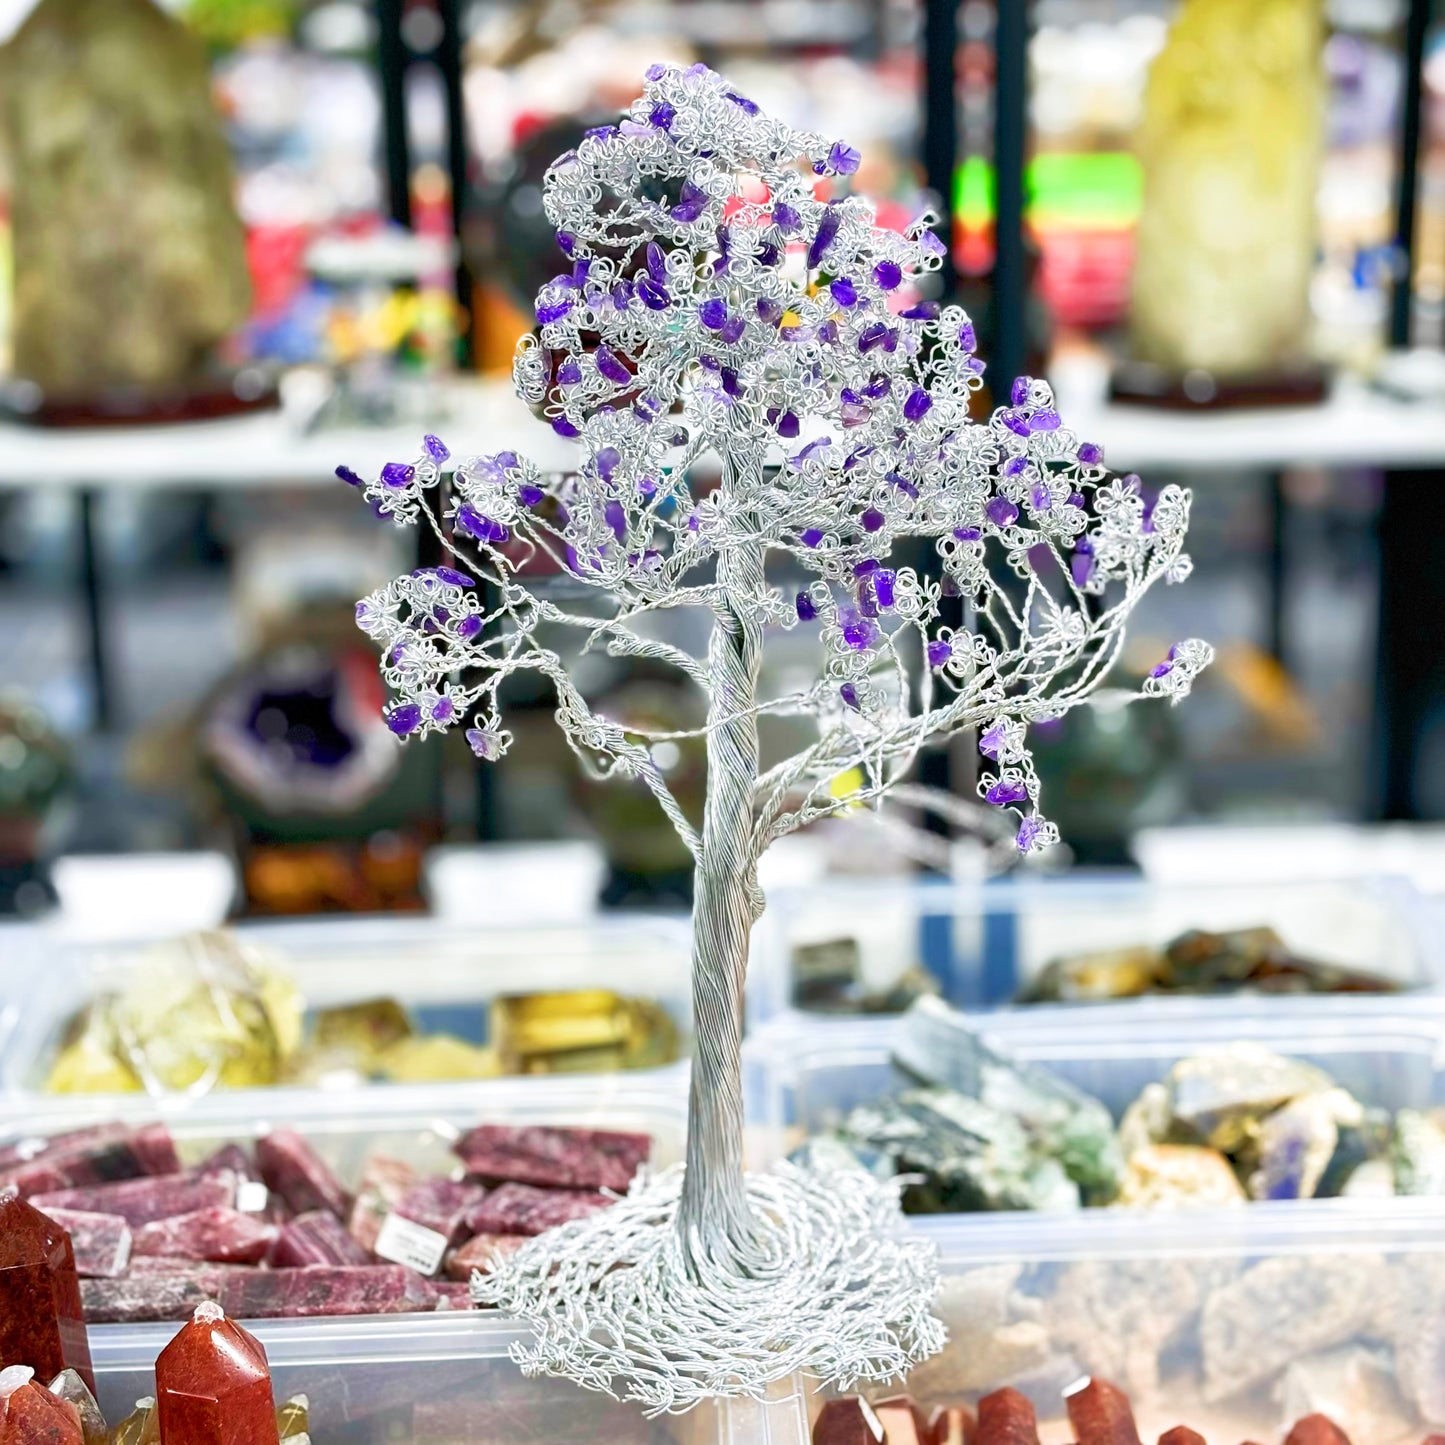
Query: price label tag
pixel 405 1242
pixel 252 1196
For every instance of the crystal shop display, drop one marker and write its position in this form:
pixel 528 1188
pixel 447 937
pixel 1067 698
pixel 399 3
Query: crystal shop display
pixel 41 1325
pixel 728 298
pixel 985 1132
pixel 302 1246
pixel 211 1011
pixel 213 1386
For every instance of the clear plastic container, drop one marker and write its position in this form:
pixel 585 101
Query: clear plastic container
pixel 445 975
pixel 416 1123
pixel 1236 1326
pixel 983 943
pixel 800 1079
pixel 441 1380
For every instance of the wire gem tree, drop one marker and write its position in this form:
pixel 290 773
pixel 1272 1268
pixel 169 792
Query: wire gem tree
pixel 726 299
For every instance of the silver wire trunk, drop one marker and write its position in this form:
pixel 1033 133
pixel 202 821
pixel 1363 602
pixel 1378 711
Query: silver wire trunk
pixel 713 1216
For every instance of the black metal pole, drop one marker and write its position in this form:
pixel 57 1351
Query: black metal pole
pixel 1010 131
pixel 91 585
pixel 940 118
pixel 391 59
pixel 449 59
pixel 1407 187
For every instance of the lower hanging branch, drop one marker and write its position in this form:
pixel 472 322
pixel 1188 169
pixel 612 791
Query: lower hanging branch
pixel 839 1290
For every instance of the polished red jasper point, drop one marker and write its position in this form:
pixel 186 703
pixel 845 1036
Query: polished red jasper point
pixel 1181 1435
pixel 903 1422
pixel 849 1421
pixel 31 1415
pixel 213 1386
pixel 953 1425
pixel 1316 1430
pixel 1100 1414
pixel 41 1324
pixel 553 1157
pixel 1006 1418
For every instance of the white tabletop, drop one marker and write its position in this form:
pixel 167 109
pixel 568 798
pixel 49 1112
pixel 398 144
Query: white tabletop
pixel 1355 427
pixel 267 448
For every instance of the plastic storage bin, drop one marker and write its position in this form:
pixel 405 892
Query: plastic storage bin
pixel 444 975
pixel 800 1079
pixel 1237 1327
pixel 984 942
pixel 441 1380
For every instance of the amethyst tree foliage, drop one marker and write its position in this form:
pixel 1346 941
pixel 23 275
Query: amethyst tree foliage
pixel 727 300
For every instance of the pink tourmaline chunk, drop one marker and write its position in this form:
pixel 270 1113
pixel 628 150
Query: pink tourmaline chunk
pixel 552 1157
pixel 383 1182
pixel 213 1386
pixel 440 1205
pixel 219 1236
pixel 92 1156
pixel 41 1324
pixel 523 1209
pixel 377 1289
pixel 479 1252
pixel 295 1171
pixel 102 1242
pixel 315 1238
pixel 139 1201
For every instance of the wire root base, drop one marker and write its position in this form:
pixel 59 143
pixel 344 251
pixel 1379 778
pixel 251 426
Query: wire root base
pixel 838 1289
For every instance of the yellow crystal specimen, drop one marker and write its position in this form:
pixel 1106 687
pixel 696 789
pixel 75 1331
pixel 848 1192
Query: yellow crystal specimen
pixel 140 1427
pixel 581 1029
pixel 1230 145
pixel 363 1030
pixel 90 1064
pixel 292 1418
pixel 436 1058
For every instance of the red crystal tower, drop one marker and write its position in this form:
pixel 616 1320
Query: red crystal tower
pixel 41 1324
pixel 213 1386
pixel 31 1415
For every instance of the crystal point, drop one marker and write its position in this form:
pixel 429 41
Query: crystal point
pixel 1316 1430
pixel 213 1386
pixel 1006 1418
pixel 68 1386
pixel 31 1415
pixel 41 1324
pixel 1181 1435
pixel 849 1421
pixel 1100 1415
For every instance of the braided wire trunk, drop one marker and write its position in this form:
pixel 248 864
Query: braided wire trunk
pixel 715 1221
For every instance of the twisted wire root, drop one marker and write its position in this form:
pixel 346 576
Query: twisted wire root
pixel 839 1290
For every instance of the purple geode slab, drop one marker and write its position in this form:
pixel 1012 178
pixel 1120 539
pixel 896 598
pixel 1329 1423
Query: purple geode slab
pixel 552 1157
pixel 94 1156
pixel 315 1238
pixel 373 1289
pixel 384 1181
pixel 218 1236
pixel 295 1171
pixel 139 1201
pixel 441 1205
pixel 145 1295
pixel 524 1209
pixel 102 1242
